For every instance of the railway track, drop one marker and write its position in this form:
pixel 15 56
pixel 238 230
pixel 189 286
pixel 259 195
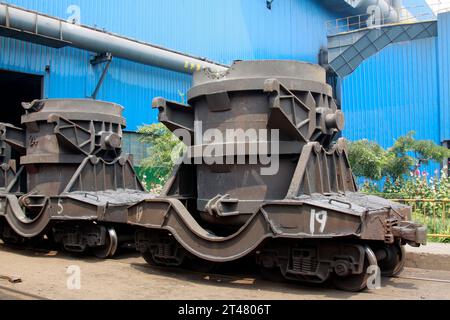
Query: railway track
pixel 251 277
pixel 237 280
pixel 423 279
pixel 228 273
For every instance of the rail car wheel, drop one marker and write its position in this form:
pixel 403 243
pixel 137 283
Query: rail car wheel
pixel 352 283
pixel 178 261
pixel 356 282
pixel 110 247
pixel 161 249
pixel 395 260
pixel 13 241
pixel 9 236
pixel 148 257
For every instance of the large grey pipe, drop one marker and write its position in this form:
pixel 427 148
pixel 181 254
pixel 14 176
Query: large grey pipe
pixel 390 9
pixel 93 40
pixel 397 4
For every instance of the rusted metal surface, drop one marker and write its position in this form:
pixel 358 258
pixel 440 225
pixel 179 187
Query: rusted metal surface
pixel 285 195
pixel 306 219
pixel 11 139
pixel 63 171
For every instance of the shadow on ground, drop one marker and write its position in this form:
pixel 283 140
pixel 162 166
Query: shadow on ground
pixel 241 275
pixel 50 250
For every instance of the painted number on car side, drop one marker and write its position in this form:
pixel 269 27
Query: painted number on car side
pixel 60 207
pixel 320 218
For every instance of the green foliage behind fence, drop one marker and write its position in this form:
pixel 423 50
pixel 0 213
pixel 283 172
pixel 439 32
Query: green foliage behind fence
pixel 399 166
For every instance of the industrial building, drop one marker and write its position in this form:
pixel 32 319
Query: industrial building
pixel 396 88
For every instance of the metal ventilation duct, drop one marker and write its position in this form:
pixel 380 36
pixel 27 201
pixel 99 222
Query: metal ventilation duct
pixel 389 9
pixel 35 27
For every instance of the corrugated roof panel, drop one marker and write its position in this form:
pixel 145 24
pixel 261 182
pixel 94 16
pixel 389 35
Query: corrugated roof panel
pixel 393 93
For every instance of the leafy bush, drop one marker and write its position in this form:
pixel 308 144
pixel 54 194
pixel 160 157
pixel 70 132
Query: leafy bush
pixel 164 149
pixel 371 161
pixel 367 159
pixel 399 167
pixel 426 196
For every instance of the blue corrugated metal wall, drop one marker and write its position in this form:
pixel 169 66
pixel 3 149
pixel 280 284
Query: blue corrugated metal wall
pixel 444 74
pixel 71 76
pixel 390 94
pixel 393 93
pixel 220 30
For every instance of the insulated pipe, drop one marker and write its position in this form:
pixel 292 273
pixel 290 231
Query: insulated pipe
pixel 397 4
pixel 389 9
pixel 86 38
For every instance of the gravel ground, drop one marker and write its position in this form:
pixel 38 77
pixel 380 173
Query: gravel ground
pixel 44 275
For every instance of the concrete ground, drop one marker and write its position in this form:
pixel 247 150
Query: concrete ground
pixel 433 256
pixel 44 276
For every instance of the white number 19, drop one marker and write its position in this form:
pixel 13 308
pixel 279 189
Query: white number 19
pixel 321 218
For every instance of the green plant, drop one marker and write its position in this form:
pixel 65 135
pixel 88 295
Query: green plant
pixel 408 152
pixel 399 166
pixel 165 148
pixel 427 196
pixel 369 160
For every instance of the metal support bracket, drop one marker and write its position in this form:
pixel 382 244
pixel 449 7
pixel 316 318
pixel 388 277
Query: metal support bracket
pixel 13 136
pixel 175 116
pixel 101 58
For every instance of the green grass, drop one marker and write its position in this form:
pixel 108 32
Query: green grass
pixel 435 225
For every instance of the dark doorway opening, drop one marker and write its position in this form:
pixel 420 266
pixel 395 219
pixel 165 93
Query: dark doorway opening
pixel 16 88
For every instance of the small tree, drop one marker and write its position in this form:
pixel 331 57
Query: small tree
pixel 367 159
pixel 408 154
pixel 371 161
pixel 164 148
